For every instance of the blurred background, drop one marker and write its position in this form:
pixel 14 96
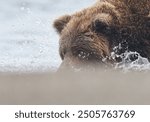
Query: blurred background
pixel 28 42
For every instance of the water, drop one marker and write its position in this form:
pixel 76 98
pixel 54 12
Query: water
pixel 28 42
pixel 140 64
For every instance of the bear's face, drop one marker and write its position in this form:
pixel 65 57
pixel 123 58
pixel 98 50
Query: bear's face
pixel 88 37
pixel 84 37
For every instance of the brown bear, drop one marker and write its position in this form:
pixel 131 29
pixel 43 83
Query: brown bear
pixel 90 37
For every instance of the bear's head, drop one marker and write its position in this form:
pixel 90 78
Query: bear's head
pixel 91 36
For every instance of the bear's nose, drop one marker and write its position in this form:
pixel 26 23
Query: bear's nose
pixel 67 64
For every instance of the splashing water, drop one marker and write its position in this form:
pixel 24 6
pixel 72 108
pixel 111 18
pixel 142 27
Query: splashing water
pixel 139 64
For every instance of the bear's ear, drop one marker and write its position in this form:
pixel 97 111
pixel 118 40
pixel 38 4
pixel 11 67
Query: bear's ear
pixel 102 23
pixel 61 22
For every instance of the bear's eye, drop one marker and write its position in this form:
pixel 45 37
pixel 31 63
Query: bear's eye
pixel 101 27
pixel 83 55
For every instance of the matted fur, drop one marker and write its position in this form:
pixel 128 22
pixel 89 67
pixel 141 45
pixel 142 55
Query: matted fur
pixel 90 36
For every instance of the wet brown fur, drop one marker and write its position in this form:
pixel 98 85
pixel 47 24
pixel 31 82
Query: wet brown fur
pixel 89 36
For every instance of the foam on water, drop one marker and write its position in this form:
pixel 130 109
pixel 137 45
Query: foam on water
pixel 139 64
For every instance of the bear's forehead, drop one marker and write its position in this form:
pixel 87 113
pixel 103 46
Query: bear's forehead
pixel 87 14
pixel 81 21
pixel 78 24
